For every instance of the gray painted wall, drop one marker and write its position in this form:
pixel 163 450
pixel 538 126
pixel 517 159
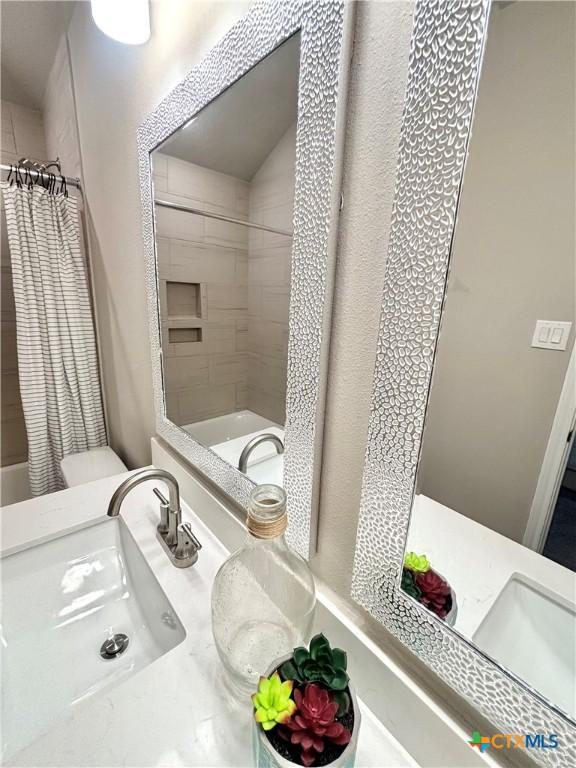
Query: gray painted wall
pixel 494 397
pixel 376 100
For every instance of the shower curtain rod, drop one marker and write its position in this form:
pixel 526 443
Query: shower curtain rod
pixel 220 217
pixel 74 182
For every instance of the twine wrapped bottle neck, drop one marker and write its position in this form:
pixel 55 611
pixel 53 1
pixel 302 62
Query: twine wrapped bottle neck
pixel 267 518
pixel 267 530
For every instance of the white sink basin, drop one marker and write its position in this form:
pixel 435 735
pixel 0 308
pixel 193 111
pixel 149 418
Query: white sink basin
pixel 61 601
pixel 532 632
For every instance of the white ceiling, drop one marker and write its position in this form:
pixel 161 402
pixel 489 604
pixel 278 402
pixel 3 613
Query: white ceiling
pixel 29 34
pixel 237 131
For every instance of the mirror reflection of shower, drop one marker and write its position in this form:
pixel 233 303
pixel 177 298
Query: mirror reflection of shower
pixel 224 191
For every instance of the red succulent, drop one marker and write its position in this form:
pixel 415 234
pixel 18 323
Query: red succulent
pixel 314 723
pixel 435 592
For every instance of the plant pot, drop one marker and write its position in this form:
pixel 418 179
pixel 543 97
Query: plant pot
pixel 453 612
pixel 265 756
pixel 450 617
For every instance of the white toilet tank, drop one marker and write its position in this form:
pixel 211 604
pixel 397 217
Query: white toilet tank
pixel 80 468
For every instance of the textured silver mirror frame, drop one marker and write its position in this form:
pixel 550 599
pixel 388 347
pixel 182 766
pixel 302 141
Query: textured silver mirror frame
pixel 325 47
pixel 447 47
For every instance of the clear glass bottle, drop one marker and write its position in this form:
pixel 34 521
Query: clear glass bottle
pixel 263 596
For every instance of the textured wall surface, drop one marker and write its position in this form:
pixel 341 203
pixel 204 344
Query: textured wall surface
pixel 22 136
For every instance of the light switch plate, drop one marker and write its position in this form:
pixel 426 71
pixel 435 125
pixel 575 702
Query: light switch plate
pixel 551 334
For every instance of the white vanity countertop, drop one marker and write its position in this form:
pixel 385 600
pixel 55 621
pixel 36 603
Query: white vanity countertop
pixel 476 561
pixel 173 712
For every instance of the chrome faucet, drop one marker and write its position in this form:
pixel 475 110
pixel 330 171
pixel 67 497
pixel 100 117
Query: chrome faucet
pixel 177 538
pixel 267 437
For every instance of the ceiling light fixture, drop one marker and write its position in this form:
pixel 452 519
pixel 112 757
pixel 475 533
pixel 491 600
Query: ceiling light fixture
pixel 127 21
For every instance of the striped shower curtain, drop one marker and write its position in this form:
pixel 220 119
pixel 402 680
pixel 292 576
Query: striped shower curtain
pixel 57 360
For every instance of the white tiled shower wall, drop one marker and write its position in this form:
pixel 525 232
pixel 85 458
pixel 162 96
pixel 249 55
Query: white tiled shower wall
pixel 204 378
pixel 243 278
pixel 269 262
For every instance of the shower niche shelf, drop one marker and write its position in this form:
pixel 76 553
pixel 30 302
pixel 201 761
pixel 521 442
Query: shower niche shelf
pixel 184 335
pixel 183 299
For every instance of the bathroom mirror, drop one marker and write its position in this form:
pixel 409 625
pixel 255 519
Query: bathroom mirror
pixel 495 499
pixel 223 197
pixel 467 534
pixel 240 191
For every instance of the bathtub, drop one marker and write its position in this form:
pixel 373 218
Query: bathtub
pixel 222 428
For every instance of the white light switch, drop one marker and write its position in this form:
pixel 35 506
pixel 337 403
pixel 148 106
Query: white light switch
pixel 544 334
pixel 551 334
pixel 556 335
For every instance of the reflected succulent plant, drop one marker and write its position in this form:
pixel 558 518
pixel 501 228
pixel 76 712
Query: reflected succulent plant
pixel 409 584
pixel 416 563
pixel 320 663
pixel 436 594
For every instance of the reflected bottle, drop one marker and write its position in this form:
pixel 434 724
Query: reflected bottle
pixel 263 596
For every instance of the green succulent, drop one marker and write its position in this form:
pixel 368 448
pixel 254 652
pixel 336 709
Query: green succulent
pixel 409 584
pixel 272 702
pixel 319 664
pixel 416 563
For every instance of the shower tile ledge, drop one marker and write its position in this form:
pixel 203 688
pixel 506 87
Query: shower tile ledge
pixel 173 712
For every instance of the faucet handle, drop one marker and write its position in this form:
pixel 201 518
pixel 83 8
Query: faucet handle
pixel 188 530
pixel 187 546
pixel 160 495
pixel 163 525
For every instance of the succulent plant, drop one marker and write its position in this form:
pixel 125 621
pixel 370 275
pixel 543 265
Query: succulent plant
pixel 436 593
pixel 314 723
pixel 272 702
pixel 409 584
pixel 319 664
pixel 416 563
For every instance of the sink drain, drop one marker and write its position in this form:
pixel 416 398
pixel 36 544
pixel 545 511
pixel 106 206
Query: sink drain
pixel 114 646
